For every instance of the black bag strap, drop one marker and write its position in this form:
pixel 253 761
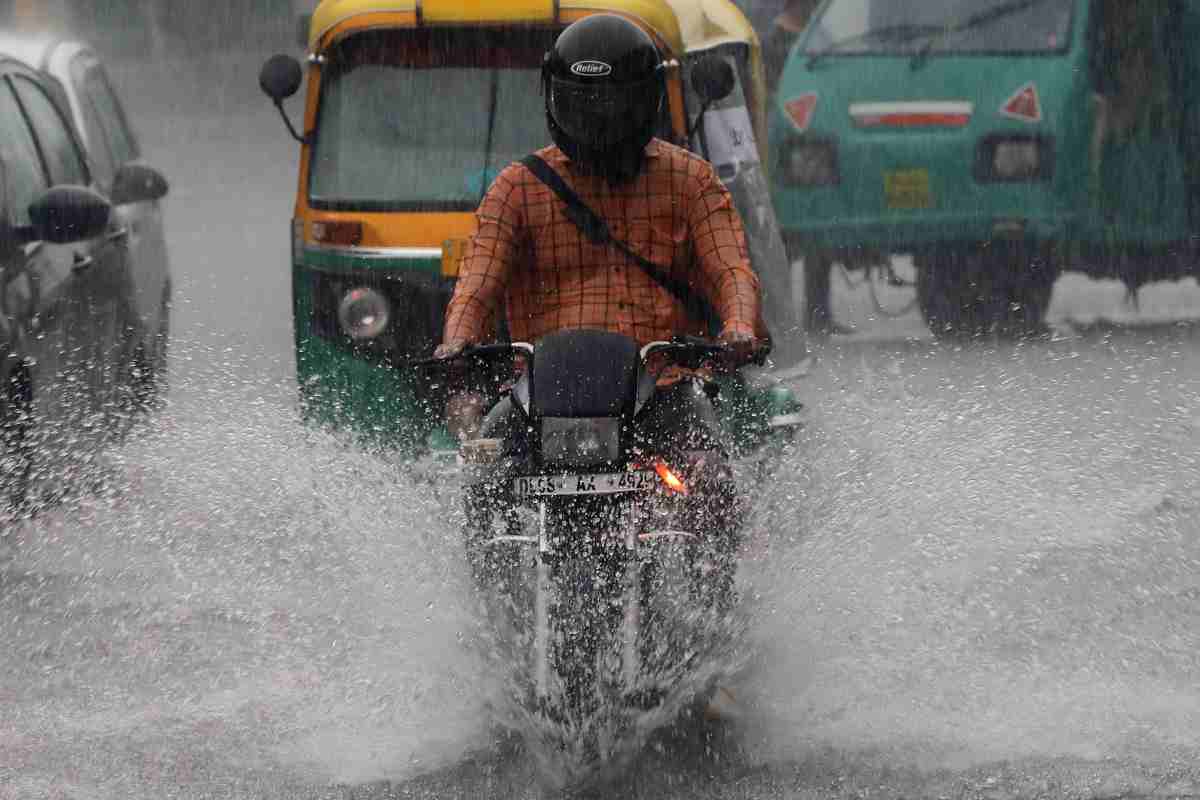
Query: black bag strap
pixel 596 231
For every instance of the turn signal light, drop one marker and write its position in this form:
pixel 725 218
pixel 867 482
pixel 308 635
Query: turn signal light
pixel 669 478
pixel 342 234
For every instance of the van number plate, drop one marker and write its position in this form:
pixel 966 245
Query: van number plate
pixel 614 483
pixel 907 189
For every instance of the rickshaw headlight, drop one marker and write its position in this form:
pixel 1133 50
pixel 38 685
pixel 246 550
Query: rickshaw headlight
pixel 364 313
pixel 1015 159
pixel 808 162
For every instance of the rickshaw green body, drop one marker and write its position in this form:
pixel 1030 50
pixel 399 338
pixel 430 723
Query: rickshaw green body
pixel 410 254
pixel 343 389
pixel 903 186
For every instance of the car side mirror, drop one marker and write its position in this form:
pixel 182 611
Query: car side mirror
pixel 712 79
pixel 138 183
pixel 69 214
pixel 280 77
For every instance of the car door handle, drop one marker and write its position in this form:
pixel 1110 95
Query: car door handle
pixel 82 262
pixel 118 235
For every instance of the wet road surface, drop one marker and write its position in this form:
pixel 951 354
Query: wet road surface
pixel 976 577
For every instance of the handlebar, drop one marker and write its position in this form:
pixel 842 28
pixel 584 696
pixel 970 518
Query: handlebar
pixel 695 351
pixel 483 352
pixel 688 351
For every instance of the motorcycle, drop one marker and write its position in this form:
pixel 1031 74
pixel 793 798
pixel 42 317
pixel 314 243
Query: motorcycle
pixel 603 525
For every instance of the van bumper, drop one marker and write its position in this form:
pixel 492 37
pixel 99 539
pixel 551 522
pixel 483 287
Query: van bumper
pixel 930 232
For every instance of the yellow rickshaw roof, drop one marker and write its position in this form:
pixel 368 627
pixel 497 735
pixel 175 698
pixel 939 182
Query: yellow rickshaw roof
pixel 708 23
pixel 656 14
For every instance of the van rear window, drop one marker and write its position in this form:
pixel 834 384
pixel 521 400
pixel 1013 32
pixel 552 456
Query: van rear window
pixel 885 27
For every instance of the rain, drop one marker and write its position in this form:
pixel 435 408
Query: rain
pixel 972 574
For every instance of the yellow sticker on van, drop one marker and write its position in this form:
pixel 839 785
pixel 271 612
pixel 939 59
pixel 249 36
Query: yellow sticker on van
pixel 907 189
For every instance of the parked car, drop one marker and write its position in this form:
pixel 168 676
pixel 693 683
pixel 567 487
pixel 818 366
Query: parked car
pixel 84 281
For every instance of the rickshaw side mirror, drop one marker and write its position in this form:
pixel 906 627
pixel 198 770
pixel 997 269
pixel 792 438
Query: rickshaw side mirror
pixel 712 79
pixel 280 77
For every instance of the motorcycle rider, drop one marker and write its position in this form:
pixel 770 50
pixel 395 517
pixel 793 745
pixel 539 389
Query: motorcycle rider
pixel 605 90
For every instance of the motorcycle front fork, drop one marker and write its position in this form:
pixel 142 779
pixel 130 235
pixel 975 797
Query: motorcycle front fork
pixel 544 599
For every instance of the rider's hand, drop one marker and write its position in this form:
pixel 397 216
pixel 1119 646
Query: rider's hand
pixel 741 347
pixel 464 415
pixel 449 350
pixel 454 372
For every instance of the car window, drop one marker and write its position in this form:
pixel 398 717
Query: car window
pixel 100 148
pixel 61 153
pixel 103 162
pixel 99 94
pixel 25 179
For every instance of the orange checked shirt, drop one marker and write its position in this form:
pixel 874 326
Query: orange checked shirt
pixel 527 255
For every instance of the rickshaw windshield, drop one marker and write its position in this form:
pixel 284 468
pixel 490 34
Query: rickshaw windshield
pixel 885 27
pixel 423 119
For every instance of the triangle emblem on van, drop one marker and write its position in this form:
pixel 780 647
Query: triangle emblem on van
pixel 1024 105
pixel 800 110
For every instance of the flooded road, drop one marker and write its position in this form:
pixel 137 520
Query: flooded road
pixel 977 576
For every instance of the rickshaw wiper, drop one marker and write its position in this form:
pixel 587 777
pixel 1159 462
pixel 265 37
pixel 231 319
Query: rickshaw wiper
pixel 901 32
pixel 977 20
pixel 493 100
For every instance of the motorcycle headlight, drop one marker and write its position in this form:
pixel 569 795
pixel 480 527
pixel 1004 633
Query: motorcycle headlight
pixel 583 441
pixel 810 162
pixel 1014 159
pixel 364 313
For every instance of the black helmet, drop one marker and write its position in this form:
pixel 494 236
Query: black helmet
pixel 604 84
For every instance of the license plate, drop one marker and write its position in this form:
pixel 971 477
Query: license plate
pixel 907 189
pixel 555 485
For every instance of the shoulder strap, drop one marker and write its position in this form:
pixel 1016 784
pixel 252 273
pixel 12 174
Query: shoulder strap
pixel 596 231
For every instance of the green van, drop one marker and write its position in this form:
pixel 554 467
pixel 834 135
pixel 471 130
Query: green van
pixel 999 142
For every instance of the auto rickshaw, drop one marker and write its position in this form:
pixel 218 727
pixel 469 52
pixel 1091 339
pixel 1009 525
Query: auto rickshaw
pixel 412 109
pixel 999 142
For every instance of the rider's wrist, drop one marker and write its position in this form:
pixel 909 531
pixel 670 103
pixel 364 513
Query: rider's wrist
pixel 738 329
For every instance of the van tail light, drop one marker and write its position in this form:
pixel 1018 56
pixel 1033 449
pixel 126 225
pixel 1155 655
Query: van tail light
pixel 338 233
pixel 1005 158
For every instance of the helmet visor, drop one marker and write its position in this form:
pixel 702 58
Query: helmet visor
pixel 601 115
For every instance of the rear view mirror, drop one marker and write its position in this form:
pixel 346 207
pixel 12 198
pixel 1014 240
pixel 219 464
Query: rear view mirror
pixel 280 77
pixel 138 183
pixel 712 79
pixel 68 214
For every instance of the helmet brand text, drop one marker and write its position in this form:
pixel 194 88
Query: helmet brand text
pixel 591 69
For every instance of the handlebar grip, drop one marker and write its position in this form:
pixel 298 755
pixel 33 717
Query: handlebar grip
pixel 474 350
